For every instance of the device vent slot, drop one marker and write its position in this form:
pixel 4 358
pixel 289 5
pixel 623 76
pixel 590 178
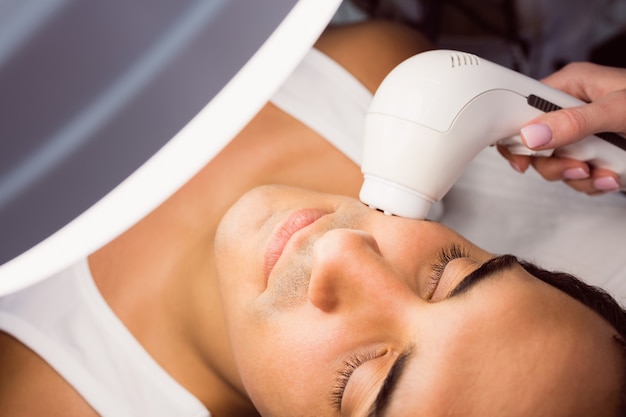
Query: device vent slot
pixel 541 104
pixel 463 60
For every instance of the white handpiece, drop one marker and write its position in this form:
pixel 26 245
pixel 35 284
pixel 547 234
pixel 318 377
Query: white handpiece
pixel 437 110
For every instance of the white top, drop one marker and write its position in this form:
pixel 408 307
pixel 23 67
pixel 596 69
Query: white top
pixel 65 320
pixel 328 99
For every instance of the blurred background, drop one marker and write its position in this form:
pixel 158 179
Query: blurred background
pixel 535 37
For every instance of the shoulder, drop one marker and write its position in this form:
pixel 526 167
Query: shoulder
pixel 30 387
pixel 371 49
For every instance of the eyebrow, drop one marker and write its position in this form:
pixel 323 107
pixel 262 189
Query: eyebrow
pixel 488 269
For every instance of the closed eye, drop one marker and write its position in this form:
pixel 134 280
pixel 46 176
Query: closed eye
pixel 351 363
pixel 342 377
pixel 446 255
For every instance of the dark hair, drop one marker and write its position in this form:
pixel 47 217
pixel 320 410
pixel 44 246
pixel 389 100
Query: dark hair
pixel 597 300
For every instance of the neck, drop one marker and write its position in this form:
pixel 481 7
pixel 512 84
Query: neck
pixel 159 276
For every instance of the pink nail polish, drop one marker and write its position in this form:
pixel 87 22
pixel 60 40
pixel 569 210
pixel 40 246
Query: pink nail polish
pixel 575 174
pixel 536 135
pixel 606 184
pixel 516 167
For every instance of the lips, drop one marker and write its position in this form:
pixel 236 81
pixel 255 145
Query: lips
pixel 279 238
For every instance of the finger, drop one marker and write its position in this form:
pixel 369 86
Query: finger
pixel 565 126
pixel 605 181
pixel 556 169
pixel 586 81
pixel 571 79
pixel 599 182
pixel 520 163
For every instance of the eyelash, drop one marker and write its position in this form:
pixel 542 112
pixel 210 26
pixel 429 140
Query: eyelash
pixel 350 365
pixel 446 255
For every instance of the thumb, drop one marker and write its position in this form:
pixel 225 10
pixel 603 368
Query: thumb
pixel 565 126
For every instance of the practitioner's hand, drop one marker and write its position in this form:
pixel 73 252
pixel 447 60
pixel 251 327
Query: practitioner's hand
pixel 604 88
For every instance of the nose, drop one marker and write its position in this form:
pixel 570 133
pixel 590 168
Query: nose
pixel 349 270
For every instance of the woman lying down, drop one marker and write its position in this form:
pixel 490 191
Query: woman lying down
pixel 237 297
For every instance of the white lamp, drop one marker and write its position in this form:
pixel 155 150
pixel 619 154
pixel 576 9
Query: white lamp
pixel 105 110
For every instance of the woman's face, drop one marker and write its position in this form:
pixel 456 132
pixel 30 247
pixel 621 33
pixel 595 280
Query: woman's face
pixel 337 309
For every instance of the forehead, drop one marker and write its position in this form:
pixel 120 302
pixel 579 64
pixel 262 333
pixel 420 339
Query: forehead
pixel 562 358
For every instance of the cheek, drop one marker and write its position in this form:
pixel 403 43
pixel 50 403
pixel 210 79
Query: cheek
pixel 297 339
pixel 286 361
pixel 239 280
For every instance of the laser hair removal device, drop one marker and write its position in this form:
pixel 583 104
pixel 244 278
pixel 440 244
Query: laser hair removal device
pixel 437 110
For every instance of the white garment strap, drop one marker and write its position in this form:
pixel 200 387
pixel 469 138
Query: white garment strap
pixel 65 320
pixel 328 99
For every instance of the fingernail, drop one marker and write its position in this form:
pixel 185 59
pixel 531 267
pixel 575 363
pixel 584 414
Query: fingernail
pixel 606 184
pixel 575 174
pixel 516 167
pixel 536 135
